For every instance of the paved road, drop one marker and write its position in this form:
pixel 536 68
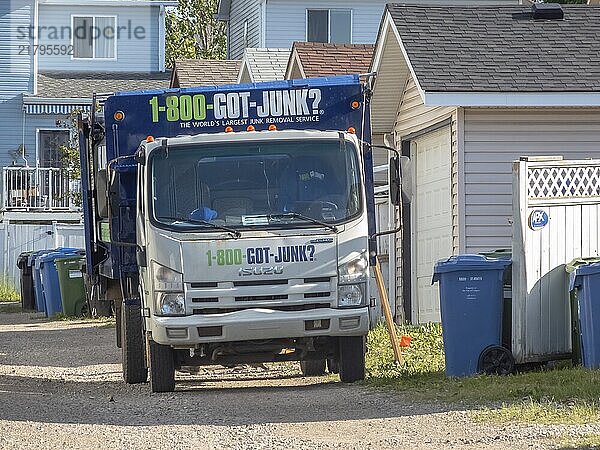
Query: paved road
pixel 60 387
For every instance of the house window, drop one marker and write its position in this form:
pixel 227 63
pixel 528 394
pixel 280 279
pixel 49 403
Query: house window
pixel 49 144
pixel 94 37
pixel 329 25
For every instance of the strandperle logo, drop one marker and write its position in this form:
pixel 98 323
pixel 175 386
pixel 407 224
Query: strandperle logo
pixel 237 105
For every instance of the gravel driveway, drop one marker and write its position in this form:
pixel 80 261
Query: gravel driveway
pixel 60 387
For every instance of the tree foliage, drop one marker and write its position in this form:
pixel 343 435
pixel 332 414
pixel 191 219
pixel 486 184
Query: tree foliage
pixel 193 32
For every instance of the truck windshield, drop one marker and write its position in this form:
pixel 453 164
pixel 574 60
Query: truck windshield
pixel 257 184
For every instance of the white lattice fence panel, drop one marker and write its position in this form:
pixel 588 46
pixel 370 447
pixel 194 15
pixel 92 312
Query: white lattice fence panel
pixel 555 182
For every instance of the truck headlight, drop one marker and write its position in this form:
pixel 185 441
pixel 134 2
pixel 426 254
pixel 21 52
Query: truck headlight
pixel 354 271
pixel 351 296
pixel 165 279
pixel 170 304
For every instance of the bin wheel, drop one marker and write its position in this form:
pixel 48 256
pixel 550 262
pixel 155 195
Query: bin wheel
pixel 162 367
pixel 352 358
pixel 312 368
pixel 132 345
pixel 496 360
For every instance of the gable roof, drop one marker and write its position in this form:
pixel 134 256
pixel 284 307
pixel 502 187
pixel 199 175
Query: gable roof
pixel 264 64
pixel 202 72
pixel 315 59
pixel 84 85
pixel 500 48
pixel 488 56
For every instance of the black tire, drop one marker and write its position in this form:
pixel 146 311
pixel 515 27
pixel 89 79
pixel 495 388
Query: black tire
pixel 312 368
pixel 162 367
pixel 132 345
pixel 352 358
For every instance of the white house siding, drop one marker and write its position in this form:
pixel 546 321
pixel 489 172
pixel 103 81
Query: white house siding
pixel 133 55
pixel 242 10
pixel 286 19
pixel 15 74
pixel 493 138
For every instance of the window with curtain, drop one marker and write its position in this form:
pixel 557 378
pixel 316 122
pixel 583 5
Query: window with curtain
pixel 94 37
pixel 329 25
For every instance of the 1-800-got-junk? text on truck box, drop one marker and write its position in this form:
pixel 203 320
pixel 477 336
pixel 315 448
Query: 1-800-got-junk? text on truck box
pixel 232 224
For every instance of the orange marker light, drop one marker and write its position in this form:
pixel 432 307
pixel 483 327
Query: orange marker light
pixel 355 104
pixel 150 139
pixel 250 128
pixel 272 127
pixel 119 115
pixel 352 130
pixel 228 130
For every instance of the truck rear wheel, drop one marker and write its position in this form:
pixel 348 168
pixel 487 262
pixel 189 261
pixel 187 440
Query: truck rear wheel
pixel 132 345
pixel 312 368
pixel 162 367
pixel 352 358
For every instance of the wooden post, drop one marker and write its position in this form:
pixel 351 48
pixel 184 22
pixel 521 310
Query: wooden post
pixel 387 312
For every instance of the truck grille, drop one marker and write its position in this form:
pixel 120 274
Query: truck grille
pixel 297 294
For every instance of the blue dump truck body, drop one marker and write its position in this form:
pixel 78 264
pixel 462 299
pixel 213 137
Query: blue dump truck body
pixel 307 104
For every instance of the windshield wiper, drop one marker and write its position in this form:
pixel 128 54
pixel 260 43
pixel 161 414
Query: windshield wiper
pixel 296 215
pixel 235 233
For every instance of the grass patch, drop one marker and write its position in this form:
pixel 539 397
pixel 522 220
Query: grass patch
pixel 546 412
pixel 588 441
pixel 8 291
pixel 563 395
pixel 60 317
pixel 10 308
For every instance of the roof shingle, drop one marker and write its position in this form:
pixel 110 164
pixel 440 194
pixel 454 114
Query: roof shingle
pixel 501 48
pixel 85 84
pixel 266 64
pixel 320 60
pixel 203 72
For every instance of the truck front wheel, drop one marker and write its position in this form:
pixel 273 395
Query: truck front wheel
pixel 132 345
pixel 162 367
pixel 352 358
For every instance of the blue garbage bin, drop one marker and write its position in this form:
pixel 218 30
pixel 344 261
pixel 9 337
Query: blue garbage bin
pixel 35 262
pixel 586 279
pixel 471 301
pixel 50 280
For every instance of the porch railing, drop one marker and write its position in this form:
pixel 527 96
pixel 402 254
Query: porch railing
pixel 38 188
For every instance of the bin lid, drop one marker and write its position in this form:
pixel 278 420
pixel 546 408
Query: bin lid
pixel 578 262
pixel 582 271
pixel 53 255
pixel 470 262
pixel 501 253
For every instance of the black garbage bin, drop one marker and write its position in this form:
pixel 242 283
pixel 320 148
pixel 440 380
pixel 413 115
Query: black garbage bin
pixel 27 292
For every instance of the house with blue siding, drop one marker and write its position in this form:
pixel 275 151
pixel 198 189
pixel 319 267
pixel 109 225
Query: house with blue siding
pixel 54 54
pixel 279 23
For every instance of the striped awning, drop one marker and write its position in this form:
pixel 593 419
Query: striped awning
pixel 54 109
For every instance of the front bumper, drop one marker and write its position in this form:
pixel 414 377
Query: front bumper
pixel 253 324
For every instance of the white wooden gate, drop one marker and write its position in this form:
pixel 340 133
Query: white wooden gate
pixel 17 238
pixel 432 218
pixel 556 208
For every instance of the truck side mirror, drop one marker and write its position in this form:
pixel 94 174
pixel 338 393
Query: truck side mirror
pixel 406 178
pixel 101 193
pixel 395 181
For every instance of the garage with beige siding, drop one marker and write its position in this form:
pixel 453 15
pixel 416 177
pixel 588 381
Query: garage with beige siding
pixel 463 104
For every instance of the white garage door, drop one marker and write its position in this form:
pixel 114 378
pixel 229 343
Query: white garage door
pixel 432 223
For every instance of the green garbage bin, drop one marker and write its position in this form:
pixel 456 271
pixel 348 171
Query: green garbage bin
pixel 575 328
pixel 72 289
pixel 505 253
